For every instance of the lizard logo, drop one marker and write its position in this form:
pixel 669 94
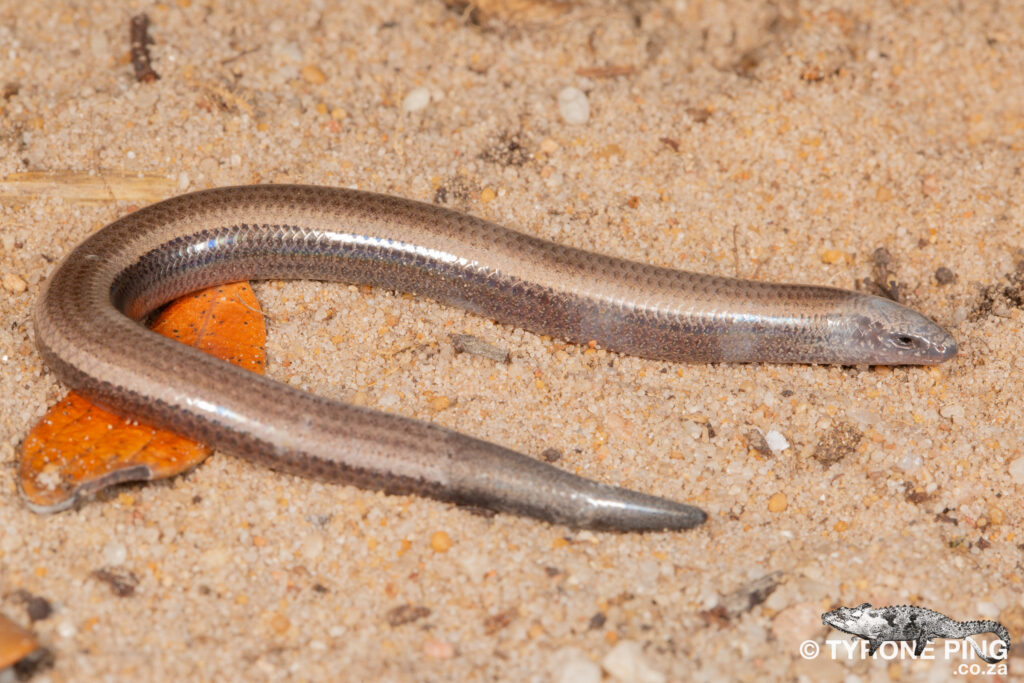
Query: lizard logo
pixel 910 623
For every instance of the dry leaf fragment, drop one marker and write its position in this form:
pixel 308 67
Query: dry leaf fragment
pixel 78 448
pixel 15 643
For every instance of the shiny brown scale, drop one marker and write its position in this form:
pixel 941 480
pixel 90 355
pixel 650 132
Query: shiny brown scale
pixel 87 331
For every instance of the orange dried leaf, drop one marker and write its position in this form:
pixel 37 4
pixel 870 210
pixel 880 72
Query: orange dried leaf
pixel 78 448
pixel 15 643
pixel 224 321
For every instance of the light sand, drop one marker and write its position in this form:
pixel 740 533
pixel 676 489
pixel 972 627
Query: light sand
pixel 725 137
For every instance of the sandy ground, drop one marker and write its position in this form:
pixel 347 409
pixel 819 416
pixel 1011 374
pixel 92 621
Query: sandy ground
pixel 776 141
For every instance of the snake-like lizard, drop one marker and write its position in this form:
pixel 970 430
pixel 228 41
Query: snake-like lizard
pixel 86 327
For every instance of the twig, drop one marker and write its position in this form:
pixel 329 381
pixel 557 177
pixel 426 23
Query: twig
pixel 141 41
pixel 239 55
pixel 83 188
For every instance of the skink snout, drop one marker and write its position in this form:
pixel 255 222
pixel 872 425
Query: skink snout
pixel 935 347
pixel 905 337
pixel 946 349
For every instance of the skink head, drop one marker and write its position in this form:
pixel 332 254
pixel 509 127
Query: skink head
pixel 890 334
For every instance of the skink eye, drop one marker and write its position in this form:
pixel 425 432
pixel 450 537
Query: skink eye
pixel 907 341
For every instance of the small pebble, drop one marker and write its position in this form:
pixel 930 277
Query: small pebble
pixel 881 256
pixel 626 663
pixel 778 502
pixel 944 275
pixel 114 554
pixel 776 441
pixel 14 284
pixel 910 461
pixel 692 429
pixel 39 608
pixel 438 649
pixel 312 547
pixel 280 623
pixel 837 443
pixel 312 74
pixel 215 557
pixel 441 542
pixel 289 51
pixel 832 256
pixel 573 105
pixel 756 442
pixel 576 667
pixel 1017 470
pixel 416 100
pixel 66 629
pixel 996 515
pixel 551 455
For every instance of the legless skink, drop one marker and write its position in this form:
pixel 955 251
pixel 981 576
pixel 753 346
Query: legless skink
pixel 87 330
